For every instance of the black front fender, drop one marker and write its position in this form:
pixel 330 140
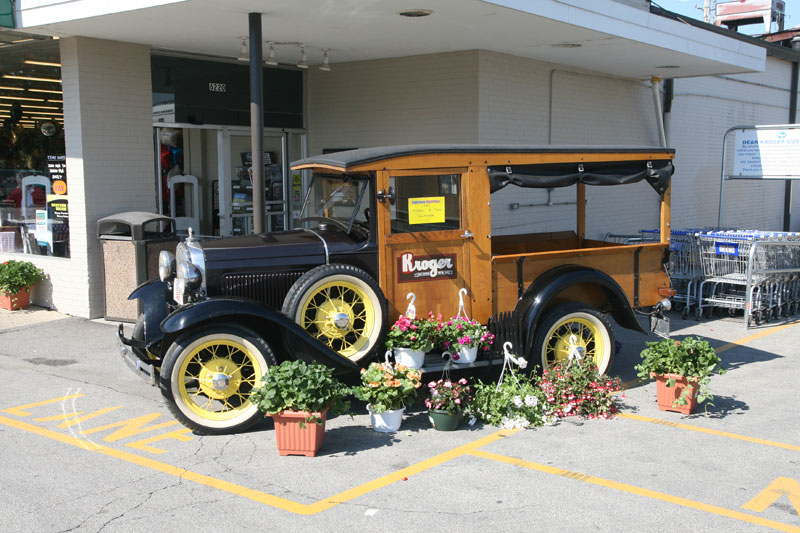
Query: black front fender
pixel 539 295
pixel 154 295
pixel 284 336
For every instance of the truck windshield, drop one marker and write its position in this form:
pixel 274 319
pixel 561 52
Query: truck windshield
pixel 336 198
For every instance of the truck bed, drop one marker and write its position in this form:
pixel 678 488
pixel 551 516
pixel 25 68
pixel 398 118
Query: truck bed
pixel 517 260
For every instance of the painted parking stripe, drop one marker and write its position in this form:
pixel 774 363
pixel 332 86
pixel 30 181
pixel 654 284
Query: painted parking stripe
pixel 639 491
pixel 252 494
pixel 709 431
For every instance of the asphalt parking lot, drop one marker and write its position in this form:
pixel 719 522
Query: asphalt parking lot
pixel 87 446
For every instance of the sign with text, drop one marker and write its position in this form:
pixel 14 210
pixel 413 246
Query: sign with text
pixel 426 210
pixel 767 153
pixel 425 267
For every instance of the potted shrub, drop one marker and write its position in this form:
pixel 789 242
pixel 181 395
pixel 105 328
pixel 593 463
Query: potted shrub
pixel 682 370
pixel 16 280
pixel 387 389
pixel 464 338
pixel 447 400
pixel 409 339
pixel 299 396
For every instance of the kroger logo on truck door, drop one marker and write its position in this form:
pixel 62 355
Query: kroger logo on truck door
pixel 425 267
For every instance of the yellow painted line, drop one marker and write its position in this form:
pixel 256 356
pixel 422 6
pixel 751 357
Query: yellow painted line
pixel 639 491
pixel 252 494
pixel 699 429
pixel 755 336
pixel 20 409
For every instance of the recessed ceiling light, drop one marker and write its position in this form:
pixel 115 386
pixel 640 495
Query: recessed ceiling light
pixel 42 63
pixel 669 66
pixel 415 13
pixel 30 78
pixel 566 45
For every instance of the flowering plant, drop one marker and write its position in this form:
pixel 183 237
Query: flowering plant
pixel 413 333
pixel 458 332
pixel 517 402
pixel 578 390
pixel 448 395
pixel 18 275
pixel 387 387
pixel 692 358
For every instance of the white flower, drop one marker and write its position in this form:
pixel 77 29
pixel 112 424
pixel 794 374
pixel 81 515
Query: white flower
pixel 518 401
pixel 531 401
pixel 522 362
pixel 567 409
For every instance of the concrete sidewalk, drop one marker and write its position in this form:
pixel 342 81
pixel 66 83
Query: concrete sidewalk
pixel 25 317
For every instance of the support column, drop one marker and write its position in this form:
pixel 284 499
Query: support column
pixel 257 121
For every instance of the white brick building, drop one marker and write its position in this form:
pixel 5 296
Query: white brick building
pixel 474 72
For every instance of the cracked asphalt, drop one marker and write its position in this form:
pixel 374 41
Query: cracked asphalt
pixel 735 467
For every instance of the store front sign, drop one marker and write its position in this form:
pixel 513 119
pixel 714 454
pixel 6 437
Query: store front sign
pixel 766 154
pixel 425 267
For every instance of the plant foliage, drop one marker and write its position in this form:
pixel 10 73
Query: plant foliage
pixel 459 331
pixel 413 333
pixel 692 358
pixel 301 386
pixel 578 390
pixel 18 275
pixel 448 395
pixel 517 402
pixel 387 387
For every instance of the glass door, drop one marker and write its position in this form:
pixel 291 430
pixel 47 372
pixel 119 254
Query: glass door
pixel 238 199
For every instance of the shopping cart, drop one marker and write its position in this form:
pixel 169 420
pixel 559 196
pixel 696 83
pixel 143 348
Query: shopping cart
pixel 754 271
pixel 684 266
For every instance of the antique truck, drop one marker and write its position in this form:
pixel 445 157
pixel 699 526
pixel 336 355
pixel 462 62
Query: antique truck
pixel 381 223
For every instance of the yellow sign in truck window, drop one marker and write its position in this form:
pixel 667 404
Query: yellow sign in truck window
pixel 426 210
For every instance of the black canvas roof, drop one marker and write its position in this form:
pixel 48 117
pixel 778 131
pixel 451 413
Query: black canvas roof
pixel 351 158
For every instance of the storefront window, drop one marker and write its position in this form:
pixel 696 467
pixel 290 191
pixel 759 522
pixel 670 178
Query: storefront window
pixel 34 206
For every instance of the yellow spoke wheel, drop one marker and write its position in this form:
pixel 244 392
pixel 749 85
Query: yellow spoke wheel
pixel 341 307
pixel 578 329
pixel 209 376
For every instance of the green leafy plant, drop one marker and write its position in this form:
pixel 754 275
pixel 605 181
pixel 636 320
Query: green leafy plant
pixel 301 386
pixel 578 390
pixel 517 402
pixel 692 358
pixel 388 387
pixel 413 333
pixel 18 275
pixel 449 395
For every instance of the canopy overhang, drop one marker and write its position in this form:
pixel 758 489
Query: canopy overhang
pixel 601 35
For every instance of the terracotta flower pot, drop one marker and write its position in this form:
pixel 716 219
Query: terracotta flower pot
pixel 292 439
pixel 12 302
pixel 667 396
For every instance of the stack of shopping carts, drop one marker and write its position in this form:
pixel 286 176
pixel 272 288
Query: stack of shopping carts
pixel 754 271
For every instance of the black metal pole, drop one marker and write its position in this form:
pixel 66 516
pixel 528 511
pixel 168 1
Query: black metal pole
pixel 787 195
pixel 257 121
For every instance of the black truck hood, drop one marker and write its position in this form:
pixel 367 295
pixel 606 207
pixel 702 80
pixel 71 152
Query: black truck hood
pixel 267 249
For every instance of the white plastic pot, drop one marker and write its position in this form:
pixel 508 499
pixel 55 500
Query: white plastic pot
pixel 387 421
pixel 408 357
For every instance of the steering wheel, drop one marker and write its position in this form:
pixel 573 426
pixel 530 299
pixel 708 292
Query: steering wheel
pixel 336 223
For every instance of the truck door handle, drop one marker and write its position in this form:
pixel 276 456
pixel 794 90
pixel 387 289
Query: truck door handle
pixel 467 234
pixel 382 195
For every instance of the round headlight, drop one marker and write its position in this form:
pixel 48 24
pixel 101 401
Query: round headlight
pixel 166 265
pixel 190 274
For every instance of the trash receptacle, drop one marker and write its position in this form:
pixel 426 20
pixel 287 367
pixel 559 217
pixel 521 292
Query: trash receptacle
pixel 131 243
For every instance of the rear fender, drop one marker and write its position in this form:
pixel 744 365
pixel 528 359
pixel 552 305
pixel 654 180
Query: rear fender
pixel 541 293
pixel 285 337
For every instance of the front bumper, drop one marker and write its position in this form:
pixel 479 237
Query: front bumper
pixel 146 371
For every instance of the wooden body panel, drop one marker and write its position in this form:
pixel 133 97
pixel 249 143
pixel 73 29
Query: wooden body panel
pixel 616 261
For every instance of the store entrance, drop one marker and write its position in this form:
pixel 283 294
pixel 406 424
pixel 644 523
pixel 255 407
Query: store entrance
pixel 206 178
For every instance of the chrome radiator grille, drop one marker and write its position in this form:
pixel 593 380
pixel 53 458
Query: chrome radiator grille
pixel 269 288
